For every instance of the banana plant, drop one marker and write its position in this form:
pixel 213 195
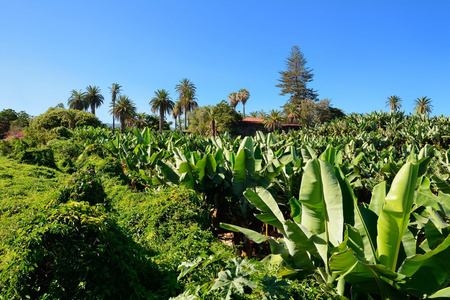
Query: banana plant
pixel 330 234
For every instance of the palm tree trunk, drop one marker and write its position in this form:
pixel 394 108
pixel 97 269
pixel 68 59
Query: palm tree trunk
pixel 243 109
pixel 185 118
pixel 93 109
pixel 161 118
pixel 122 124
pixel 114 106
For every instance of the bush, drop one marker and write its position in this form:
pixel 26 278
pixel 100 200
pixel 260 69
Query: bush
pixel 84 185
pixel 40 157
pixel 66 151
pixel 77 252
pixel 66 165
pixel 59 117
pixel 62 131
pixel 111 167
pixel 175 223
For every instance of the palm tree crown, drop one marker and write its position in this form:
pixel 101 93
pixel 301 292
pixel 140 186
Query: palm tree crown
pixel 423 105
pixel 93 98
pixel 76 100
pixel 115 91
pixel 291 111
pixel 243 96
pixel 233 98
pixel 123 110
pixel 186 91
pixel 394 102
pixel 163 103
pixel 273 120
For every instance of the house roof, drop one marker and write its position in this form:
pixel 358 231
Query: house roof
pixel 252 120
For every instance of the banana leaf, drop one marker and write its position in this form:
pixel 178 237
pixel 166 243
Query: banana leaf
pixel 321 199
pixel 394 216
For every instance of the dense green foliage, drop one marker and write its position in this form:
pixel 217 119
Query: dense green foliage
pixel 323 206
pixel 12 121
pixel 61 117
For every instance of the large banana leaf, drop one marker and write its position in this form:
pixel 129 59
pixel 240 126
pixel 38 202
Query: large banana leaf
pixel 353 217
pixel 244 167
pixel 394 216
pixel 321 199
pixel 368 278
pixel 271 213
pixel 429 271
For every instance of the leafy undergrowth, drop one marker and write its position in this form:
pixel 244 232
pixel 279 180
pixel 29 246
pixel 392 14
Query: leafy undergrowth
pixel 25 190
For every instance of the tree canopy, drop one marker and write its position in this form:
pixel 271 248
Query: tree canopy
pixel 394 103
pixel 93 98
pixel 163 104
pixel 124 109
pixel 423 105
pixel 294 80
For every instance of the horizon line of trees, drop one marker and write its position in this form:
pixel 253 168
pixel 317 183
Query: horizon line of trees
pixel 303 106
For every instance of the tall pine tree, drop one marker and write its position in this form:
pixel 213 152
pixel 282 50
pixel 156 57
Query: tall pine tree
pixel 294 80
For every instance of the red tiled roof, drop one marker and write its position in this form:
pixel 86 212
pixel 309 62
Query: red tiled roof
pixel 252 120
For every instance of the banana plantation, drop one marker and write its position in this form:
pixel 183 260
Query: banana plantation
pixel 361 202
pixel 360 205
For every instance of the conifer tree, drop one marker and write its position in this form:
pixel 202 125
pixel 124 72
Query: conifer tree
pixel 294 80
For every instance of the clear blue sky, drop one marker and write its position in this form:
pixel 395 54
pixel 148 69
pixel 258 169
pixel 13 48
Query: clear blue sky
pixel 361 51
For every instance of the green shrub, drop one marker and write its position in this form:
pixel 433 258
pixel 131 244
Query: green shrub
pixel 62 131
pixel 310 288
pixel 40 157
pixel 84 185
pixel 65 148
pixel 66 165
pixel 59 117
pixel 174 223
pixel 111 167
pixel 66 152
pixel 91 154
pixel 76 251
pixel 6 147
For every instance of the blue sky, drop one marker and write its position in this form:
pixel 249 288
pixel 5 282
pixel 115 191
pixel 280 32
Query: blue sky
pixel 361 52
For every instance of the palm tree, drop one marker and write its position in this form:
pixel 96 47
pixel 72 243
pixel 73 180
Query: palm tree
pixel 115 91
pixel 163 103
pixel 394 102
pixel 261 114
pixel 291 112
pixel 190 104
pixel 423 105
pixel 140 120
pixel 76 100
pixel 177 111
pixel 232 97
pixel 243 96
pixel 212 117
pixel 125 109
pixel 274 120
pixel 186 91
pixel 70 115
pixel 93 98
pixel 253 114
